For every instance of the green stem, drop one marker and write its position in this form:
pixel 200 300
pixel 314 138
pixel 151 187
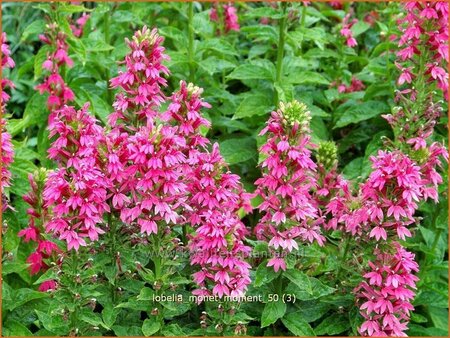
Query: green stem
pixel 437 236
pixel 74 264
pixel 107 72
pixel 344 257
pixel 302 27
pixel 112 234
pixel 281 37
pixel 191 41
pixel 280 49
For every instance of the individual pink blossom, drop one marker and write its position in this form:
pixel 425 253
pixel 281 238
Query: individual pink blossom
pixel 289 213
pixel 355 86
pixel 277 263
pixel 384 298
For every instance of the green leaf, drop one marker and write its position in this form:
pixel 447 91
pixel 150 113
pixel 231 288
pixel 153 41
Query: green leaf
pixel 306 77
pixel 300 279
pixel 237 150
pixel 92 318
pixel 251 72
pixel 264 12
pixel 70 9
pixel 332 325
pixel 39 59
pixel 34 28
pixel 151 326
pixel 109 315
pixel 96 45
pixel 49 274
pixel 361 112
pixel 251 105
pixel 222 46
pixel 297 325
pixel 172 330
pixel 146 294
pixel 14 328
pixel 272 312
pixel 53 323
pixel 359 28
pixel 129 330
pixel 264 274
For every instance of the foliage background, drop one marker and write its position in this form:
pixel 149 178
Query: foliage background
pixel 242 81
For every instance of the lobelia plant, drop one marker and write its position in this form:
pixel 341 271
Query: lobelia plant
pixel 146 206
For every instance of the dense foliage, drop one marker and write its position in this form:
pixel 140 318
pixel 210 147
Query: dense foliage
pixel 224 169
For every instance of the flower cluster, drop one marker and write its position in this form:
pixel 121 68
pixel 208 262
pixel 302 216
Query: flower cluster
pixel 57 57
pixel 228 17
pixel 141 81
pixel 288 209
pixel 217 244
pixel 6 147
pixel 78 26
pixel 355 86
pixel 77 189
pixel 45 249
pixel 346 31
pixel 424 30
pixel 385 295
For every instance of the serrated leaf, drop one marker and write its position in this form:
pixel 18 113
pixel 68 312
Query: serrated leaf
pixel 300 279
pixel 306 77
pixel 251 105
pixel 109 315
pixel 297 325
pixel 272 312
pixel 264 274
pixel 359 28
pixel 361 112
pixel 237 150
pixel 36 27
pixel 250 72
pixel 332 325
pixel 151 326
pixel 49 274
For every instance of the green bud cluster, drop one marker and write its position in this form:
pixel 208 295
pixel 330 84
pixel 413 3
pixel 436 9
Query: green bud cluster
pixel 327 154
pixel 295 112
pixel 420 156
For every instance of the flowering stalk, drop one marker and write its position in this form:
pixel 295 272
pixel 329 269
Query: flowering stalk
pixel 6 147
pixel 346 31
pixel 77 190
pixel 45 250
pixel 217 245
pixel 59 93
pixel 289 212
pixel 226 17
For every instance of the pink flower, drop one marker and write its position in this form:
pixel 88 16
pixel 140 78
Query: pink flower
pixel 277 263
pixel 346 31
pixel 30 233
pixel 48 285
pixel 228 14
